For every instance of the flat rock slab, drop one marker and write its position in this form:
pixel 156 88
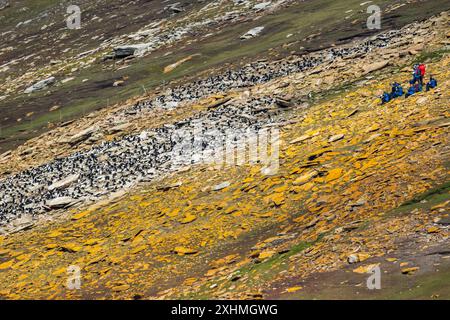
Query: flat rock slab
pixel 64 183
pixel 252 33
pixel 40 85
pixel 61 202
pixel 221 186
pixel 83 135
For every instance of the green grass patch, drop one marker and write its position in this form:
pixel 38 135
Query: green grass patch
pixel 425 200
pixel 432 56
pixel 430 286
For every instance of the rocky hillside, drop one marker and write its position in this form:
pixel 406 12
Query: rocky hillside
pixel 141 196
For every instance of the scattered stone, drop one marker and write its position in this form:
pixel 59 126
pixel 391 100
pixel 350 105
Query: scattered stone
pixel 372 137
pixel 305 178
pixel 4 5
pixel 416 49
pixel 336 138
pixel 301 138
pixel 61 202
pixel 173 66
pixel 353 258
pixel 67 80
pixel 375 67
pixel 352 113
pixel 121 287
pixel 433 229
pixel 312 223
pixel 5 155
pixel 366 269
pixel 410 270
pixel 362 201
pixel 188 219
pixel 27 151
pixel 422 100
pixel 40 85
pixel 221 186
pixel 181 251
pixel 119 128
pixel 83 135
pixel 169 186
pixel 266 254
pixel 262 6
pixel 359 257
pixel 294 289
pixel 136 50
pixel 252 33
pixel 219 103
pixel 283 102
pixel 349 226
pixel 62 184
pixel 174 7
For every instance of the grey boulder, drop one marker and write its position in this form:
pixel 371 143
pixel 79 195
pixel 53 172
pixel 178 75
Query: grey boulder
pixel 40 85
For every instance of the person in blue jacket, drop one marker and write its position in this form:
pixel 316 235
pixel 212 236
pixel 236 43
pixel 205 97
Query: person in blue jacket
pixel 397 90
pixel 432 83
pixel 416 75
pixel 414 89
pixel 385 98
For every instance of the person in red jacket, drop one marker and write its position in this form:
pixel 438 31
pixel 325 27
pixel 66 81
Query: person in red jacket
pixel 422 70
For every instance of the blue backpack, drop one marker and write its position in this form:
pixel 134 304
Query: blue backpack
pixel 410 92
pixel 432 84
pixel 397 90
pixel 385 98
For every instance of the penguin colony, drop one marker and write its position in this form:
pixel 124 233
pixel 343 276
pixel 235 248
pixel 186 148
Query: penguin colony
pixel 115 165
pixel 260 73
